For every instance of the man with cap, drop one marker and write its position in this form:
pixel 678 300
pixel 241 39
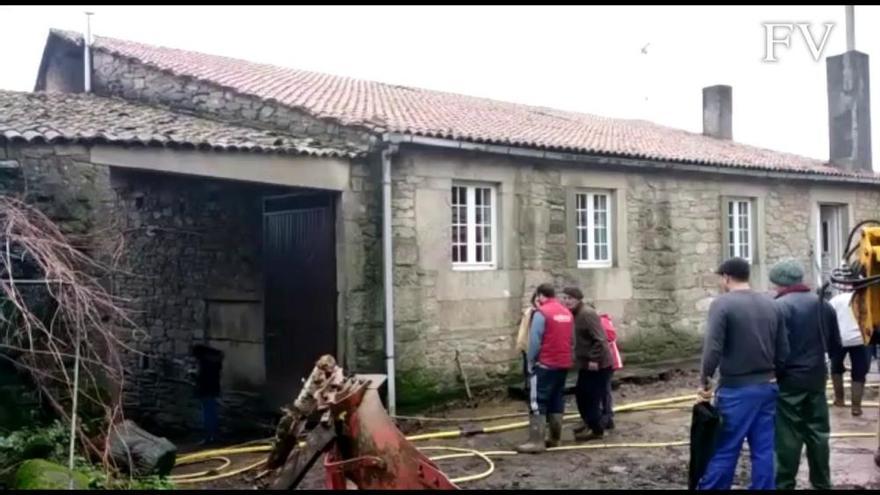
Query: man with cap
pixel 746 339
pixel 592 357
pixel 802 410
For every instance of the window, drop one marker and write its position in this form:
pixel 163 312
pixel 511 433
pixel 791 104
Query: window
pixel 593 222
pixel 473 227
pixel 740 238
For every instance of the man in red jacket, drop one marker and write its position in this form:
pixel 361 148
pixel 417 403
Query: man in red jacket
pixel 549 359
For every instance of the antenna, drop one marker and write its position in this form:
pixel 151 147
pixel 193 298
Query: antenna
pixel 87 52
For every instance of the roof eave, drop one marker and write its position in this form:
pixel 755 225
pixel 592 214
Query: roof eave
pixel 640 163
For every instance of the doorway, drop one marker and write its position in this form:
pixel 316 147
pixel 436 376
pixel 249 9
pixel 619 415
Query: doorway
pixel 832 234
pixel 299 252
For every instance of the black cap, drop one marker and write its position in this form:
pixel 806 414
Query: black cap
pixel 737 268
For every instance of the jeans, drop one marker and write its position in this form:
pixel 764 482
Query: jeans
pixel 210 417
pixel 592 387
pixel 802 419
pixel 859 358
pixel 747 412
pixel 608 404
pixel 547 391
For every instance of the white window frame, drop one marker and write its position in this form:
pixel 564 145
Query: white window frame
pixel 471 228
pixel 590 229
pixel 737 246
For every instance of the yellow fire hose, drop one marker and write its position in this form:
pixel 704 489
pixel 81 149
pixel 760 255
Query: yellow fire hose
pixel 666 403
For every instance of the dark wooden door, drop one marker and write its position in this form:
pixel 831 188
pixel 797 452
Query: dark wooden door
pixel 300 299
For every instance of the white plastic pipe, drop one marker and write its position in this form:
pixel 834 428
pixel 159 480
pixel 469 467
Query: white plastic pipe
pixel 388 265
pixel 850 28
pixel 87 59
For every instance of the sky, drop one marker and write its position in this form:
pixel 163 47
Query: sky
pixel 638 62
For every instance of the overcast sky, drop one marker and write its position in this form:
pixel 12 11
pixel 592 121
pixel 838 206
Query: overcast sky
pixel 578 58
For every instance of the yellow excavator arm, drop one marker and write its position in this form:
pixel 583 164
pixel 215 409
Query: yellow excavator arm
pixel 866 296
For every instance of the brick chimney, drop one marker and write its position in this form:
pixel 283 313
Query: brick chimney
pixel 718 112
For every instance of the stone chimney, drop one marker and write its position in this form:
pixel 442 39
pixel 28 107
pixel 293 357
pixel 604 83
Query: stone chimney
pixel 849 111
pixel 718 112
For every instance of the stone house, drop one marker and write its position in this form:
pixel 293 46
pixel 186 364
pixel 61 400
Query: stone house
pixel 480 201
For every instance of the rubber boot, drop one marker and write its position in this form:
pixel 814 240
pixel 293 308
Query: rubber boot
pixel 858 391
pixel 837 383
pixel 536 444
pixel 554 421
pixel 581 427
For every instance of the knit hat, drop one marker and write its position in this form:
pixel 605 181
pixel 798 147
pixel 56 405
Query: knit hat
pixel 787 272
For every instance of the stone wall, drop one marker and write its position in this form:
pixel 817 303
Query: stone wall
pixel 119 76
pixel 192 258
pixel 669 241
pixel 192 247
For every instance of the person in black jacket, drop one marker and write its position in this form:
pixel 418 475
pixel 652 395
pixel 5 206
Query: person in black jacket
pixel 210 364
pixel 802 408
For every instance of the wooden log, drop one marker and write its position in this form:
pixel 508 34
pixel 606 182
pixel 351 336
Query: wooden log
pixel 139 452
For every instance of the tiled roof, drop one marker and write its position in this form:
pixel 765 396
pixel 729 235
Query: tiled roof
pixel 389 108
pixel 86 118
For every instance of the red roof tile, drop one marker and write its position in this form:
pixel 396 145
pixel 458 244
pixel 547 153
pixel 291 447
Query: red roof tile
pixel 86 118
pixel 389 108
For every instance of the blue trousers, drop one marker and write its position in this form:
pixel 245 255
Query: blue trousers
pixel 547 391
pixel 746 413
pixel 210 417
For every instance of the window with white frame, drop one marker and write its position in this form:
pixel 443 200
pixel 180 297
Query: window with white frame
pixel 593 222
pixel 740 229
pixel 474 226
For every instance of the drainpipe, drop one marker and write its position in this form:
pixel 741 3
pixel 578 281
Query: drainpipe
pixel 87 59
pixel 388 260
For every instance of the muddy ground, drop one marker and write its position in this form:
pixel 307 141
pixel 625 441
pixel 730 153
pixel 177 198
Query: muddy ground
pixel 611 468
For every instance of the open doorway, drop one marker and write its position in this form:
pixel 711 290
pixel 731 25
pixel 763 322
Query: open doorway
pixel 299 253
pixel 833 227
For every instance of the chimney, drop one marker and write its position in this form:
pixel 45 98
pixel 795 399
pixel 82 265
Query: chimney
pixel 849 106
pixel 718 112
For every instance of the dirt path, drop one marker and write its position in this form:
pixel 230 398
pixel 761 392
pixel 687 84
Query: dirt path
pixel 614 468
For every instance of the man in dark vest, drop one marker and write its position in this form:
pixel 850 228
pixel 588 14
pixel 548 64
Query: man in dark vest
pixel 549 359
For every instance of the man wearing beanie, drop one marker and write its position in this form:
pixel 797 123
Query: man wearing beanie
pixel 802 410
pixel 746 340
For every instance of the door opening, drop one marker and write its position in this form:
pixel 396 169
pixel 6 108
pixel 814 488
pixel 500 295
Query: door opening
pixel 299 253
pixel 832 235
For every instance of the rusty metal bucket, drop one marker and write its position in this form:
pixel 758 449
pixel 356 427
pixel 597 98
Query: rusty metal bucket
pixel 372 453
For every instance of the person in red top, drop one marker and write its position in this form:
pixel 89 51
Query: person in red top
pixel 550 357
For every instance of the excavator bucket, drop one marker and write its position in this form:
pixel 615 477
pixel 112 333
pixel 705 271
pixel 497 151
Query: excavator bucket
pixel 371 453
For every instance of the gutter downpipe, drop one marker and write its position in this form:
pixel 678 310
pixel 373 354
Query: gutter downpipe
pixel 388 267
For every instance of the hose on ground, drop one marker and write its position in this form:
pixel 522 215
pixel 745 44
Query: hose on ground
pixel 245 448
